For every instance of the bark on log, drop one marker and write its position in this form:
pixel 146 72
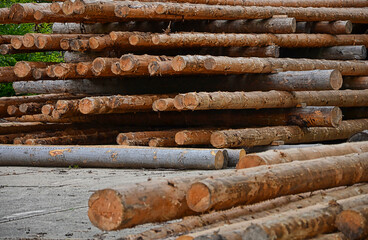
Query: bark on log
pixel 246 213
pixel 173 11
pixel 7 75
pixel 193 137
pixel 118 104
pixel 227 65
pixel 30 108
pixel 353 223
pixel 330 53
pixel 6 39
pixel 271 99
pixel 300 154
pixel 331 236
pixel 24 12
pixel 24 69
pixel 245 186
pixel 360 82
pixel 143 138
pixel 16 127
pixel 162 142
pixel 334 28
pixel 116 156
pixel 288 134
pixel 8 139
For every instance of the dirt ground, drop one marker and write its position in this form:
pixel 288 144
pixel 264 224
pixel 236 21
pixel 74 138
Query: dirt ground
pixel 52 203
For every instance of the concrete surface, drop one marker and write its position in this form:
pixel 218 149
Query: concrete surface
pixel 52 203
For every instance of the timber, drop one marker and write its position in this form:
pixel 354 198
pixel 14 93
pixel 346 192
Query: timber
pixel 334 27
pixel 300 154
pixel 330 53
pixel 288 134
pixel 47 109
pixel 7 75
pixel 24 69
pixel 360 82
pixel 244 186
pixel 66 108
pixel 331 236
pixel 12 127
pixel 143 138
pixel 353 223
pixel 30 108
pixel 193 137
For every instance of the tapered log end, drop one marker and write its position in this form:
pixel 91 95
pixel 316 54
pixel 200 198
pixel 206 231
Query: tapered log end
pixel 28 40
pixel 67 7
pixel 87 105
pixel 128 63
pixel 22 69
pixel 336 79
pixel 249 161
pixel 41 42
pixel 352 224
pixel 178 63
pixel 38 15
pixel 191 101
pixel 209 63
pixel 336 117
pixel 255 232
pixel 93 42
pixel 199 197
pixel 106 210
pixel 17 42
pixel 218 140
pixel 98 65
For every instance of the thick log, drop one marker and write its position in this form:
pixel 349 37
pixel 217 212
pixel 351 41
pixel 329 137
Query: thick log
pixel 143 138
pixel 276 3
pixel 300 154
pixel 197 39
pixel 288 134
pixel 321 215
pixel 334 28
pixel 7 75
pixel 193 137
pixel 271 99
pixel 246 213
pixel 101 67
pixel 24 69
pixel 268 51
pixel 245 186
pixel 66 108
pixel 174 11
pixel 116 156
pixel 360 82
pixel 118 104
pixel 353 223
pixel 331 53
pixel 17 42
pixel 24 12
pixel 228 65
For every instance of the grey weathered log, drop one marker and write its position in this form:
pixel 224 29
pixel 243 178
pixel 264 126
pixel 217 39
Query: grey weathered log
pixel 330 53
pixel 359 137
pixel 112 156
pixel 359 82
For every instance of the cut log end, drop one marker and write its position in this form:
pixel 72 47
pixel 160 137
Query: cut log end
pixel 22 69
pixel 249 161
pixel 47 109
pixel 106 210
pixel 60 71
pixel 41 42
pixel 161 9
pixel 113 36
pixel 5 49
pixel 38 15
pixel 98 65
pixel 352 224
pixel 93 43
pixel 209 63
pixel 64 44
pixel 199 197
pixel 28 40
pixel 82 69
pixel 191 101
pixel 336 79
pixel 87 106
pixel 153 68
pixel 178 63
pixel 17 12
pixel 115 68
pixel 160 105
pixel 348 27
pixel 16 42
pixel 336 117
pixel 255 232
pixel 218 140
pixel 12 110
pixel 179 102
pixel 220 161
pixel 56 7
pixel 68 7
pixel 127 63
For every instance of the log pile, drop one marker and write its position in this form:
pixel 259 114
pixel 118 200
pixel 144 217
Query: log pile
pixel 213 73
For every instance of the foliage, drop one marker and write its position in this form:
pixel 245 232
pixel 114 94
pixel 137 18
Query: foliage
pixel 21 29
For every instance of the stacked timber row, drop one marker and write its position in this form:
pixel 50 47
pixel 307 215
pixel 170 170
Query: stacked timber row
pixel 189 73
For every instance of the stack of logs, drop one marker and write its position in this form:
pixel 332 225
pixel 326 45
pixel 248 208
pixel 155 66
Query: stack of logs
pixel 188 73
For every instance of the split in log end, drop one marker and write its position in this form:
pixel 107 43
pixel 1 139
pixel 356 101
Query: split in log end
pixel 105 210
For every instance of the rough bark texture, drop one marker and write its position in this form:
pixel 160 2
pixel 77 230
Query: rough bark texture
pixel 143 138
pixel 353 223
pixel 287 134
pixel 355 82
pixel 193 137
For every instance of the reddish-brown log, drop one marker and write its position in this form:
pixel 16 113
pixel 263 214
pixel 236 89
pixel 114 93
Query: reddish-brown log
pixel 30 108
pixel 193 137
pixel 17 42
pixel 24 12
pixel 360 82
pixel 143 138
pixel 353 223
pixel 24 69
pixel 47 109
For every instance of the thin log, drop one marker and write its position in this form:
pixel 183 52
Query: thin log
pixel 288 134
pixel 193 137
pixel 246 213
pixel 227 65
pixel 353 223
pixel 52 41
pixel 117 104
pixel 360 82
pixel 13 110
pixel 271 99
pixel 173 11
pixel 162 142
pixel 164 104
pixel 47 109
pixel 300 154
pixel 101 43
pixel 143 138
pixel 24 69
pixel 331 53
pixel 17 42
pixel 244 187
pixel 30 108
pixel 116 156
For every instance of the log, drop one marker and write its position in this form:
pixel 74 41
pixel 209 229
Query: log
pixel 30 108
pixel 227 65
pixel 176 11
pixel 115 156
pixel 7 75
pixel 24 69
pixel 13 110
pixel 28 40
pixel 143 138
pixel 17 42
pixel 246 213
pixel 52 41
pixel 66 108
pixel 268 51
pixel 47 109
pixel 162 142
pixel 300 154
pixel 360 82
pixel 271 99
pixel 361 136
pixel 164 104
pixel 288 134
pixel 197 39
pixel 245 186
pixel 334 28
pixel 24 12
pixel 193 137
pixel 8 139
pixel 320 215
pixel 139 63
pixel 6 49
pixel 99 11
pixel 80 45
pixel 66 70
pixel 102 66
pixel 6 39
pixel 16 127
pixel 4 16
pixel 118 104
pixel 353 223
pixel 331 53
pixel 331 236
